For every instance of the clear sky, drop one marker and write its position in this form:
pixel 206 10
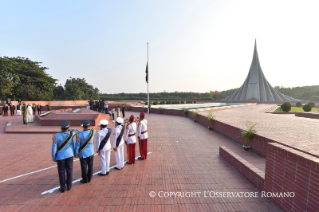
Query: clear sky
pixel 194 45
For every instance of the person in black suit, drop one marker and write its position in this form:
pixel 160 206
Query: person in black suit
pixel 123 111
pixel 39 107
pixel 12 109
pixel 5 110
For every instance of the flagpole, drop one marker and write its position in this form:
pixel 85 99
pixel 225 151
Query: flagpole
pixel 148 78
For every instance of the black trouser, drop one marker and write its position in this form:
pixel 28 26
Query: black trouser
pixel 123 113
pixel 113 115
pixel 65 165
pixel 12 112
pixel 39 111
pixel 87 168
pixel 5 113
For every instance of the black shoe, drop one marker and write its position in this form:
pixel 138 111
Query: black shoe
pixel 102 174
pixel 128 163
pixel 62 190
pixel 107 173
pixel 68 188
pixel 117 168
pixel 82 181
pixel 140 158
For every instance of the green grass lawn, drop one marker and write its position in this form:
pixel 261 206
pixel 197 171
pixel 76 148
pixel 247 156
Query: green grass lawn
pixel 298 109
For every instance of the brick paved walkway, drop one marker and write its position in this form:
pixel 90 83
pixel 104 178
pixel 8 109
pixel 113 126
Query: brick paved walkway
pixel 297 132
pixel 190 165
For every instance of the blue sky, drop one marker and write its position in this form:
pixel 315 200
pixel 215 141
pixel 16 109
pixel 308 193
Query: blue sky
pixel 194 45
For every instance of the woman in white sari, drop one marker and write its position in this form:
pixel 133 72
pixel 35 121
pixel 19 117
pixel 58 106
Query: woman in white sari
pixel 30 114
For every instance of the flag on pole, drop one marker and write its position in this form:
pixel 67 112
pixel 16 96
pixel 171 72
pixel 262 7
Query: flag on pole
pixel 146 77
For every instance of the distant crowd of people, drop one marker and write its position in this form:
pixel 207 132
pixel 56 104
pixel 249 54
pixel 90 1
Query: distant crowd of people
pixel 102 106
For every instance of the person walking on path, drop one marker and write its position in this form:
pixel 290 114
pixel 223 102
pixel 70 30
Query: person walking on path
pixel 25 114
pixel 118 143
pixel 84 149
pixel 5 110
pixel 39 107
pixel 130 139
pixel 18 110
pixel 30 114
pixel 123 110
pixel 113 111
pixel 12 109
pixel 118 111
pixel 142 136
pixel 34 107
pixel 62 152
pixel 103 147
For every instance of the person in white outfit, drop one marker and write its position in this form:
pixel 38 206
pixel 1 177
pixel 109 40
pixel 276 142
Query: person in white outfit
pixel 130 139
pixel 103 147
pixel 118 143
pixel 29 114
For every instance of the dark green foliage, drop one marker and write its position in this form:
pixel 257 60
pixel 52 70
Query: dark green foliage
pixel 24 79
pixel 304 92
pixel 286 107
pixel 77 89
pixel 298 104
pixel 311 104
pixel 306 108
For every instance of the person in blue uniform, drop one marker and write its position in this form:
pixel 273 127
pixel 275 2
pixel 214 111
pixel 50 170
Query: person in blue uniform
pixel 63 152
pixel 84 149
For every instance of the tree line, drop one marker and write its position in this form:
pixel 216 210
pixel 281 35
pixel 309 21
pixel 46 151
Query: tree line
pixel 22 78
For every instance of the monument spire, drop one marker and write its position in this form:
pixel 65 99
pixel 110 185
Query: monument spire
pixel 256 87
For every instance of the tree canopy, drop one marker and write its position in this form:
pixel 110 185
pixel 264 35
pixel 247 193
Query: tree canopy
pixel 26 79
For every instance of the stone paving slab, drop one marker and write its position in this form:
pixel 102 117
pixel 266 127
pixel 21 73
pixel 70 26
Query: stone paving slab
pixel 296 132
pixel 190 165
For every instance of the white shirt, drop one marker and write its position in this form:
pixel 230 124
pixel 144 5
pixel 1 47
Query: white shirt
pixel 116 133
pixel 142 127
pixel 132 129
pixel 99 137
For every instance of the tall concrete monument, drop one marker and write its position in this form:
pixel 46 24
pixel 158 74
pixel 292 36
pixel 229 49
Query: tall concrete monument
pixel 256 87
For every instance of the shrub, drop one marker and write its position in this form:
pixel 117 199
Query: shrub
pixel 168 102
pixel 298 104
pixel 286 107
pixel 194 101
pixel 145 103
pixel 60 106
pixel 311 104
pixel 155 103
pixel 81 106
pixel 185 111
pixel 195 113
pixel 162 102
pixel 306 108
pixel 249 132
pixel 210 117
pixel 161 109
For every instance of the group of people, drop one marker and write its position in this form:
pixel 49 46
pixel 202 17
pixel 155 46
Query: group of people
pixel 64 149
pixel 102 106
pixel 20 110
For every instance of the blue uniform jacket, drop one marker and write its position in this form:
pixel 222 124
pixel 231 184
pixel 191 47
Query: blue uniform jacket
pixel 80 139
pixel 68 150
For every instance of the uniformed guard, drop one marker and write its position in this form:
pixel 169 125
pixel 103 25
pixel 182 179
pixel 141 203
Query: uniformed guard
pixel 103 147
pixel 142 136
pixel 130 139
pixel 84 149
pixel 63 152
pixel 118 143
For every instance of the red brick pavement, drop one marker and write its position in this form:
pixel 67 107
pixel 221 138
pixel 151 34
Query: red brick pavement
pixel 190 165
pixel 297 132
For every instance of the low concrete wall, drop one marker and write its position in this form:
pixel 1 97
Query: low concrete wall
pixel 249 171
